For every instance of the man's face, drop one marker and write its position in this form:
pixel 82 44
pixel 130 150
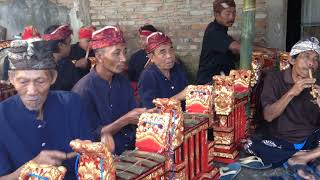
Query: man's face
pixel 226 17
pixel 142 41
pixel 163 57
pixel 84 43
pixel 113 58
pixel 65 47
pixel 305 61
pixel 32 86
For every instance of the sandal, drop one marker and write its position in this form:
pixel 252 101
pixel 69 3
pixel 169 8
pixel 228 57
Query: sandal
pixel 254 162
pixel 230 172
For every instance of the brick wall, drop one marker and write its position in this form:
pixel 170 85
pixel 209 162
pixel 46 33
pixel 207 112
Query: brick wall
pixel 183 20
pixel 67 3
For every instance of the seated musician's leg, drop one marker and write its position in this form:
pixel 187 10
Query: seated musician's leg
pixel 270 150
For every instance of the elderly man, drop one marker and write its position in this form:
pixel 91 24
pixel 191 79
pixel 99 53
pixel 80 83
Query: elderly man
pixel 219 50
pixel 289 108
pixel 38 124
pixel 163 77
pixel 59 39
pixel 107 94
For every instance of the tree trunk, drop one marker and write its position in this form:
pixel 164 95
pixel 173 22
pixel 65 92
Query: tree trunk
pixel 247 33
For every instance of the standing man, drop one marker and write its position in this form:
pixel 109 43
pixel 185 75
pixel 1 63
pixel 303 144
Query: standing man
pixel 107 94
pixel 219 50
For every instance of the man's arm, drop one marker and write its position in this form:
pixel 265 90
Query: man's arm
pixel 49 157
pixel 235 48
pixel 272 111
pixel 12 176
pixel 131 117
pixel 82 63
pixel 148 89
pixel 181 96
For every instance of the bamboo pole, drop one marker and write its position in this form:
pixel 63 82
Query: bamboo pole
pixel 247 33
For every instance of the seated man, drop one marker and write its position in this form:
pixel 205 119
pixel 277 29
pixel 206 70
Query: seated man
pixel 4 62
pixel 163 77
pixel 139 59
pixel 107 94
pixel 30 32
pixel 288 107
pixel 38 124
pixel 59 38
pixel 80 49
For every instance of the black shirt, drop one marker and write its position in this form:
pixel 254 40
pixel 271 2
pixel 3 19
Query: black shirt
pixel 68 75
pixel 77 53
pixel 136 64
pixel 300 118
pixel 215 54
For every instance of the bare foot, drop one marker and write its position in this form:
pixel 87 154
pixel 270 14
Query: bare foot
pixel 304 175
pixel 300 153
pixel 297 159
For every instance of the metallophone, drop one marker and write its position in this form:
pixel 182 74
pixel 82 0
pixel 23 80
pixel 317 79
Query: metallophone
pixel 173 144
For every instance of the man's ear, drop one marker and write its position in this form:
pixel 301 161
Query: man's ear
pixel 150 56
pixel 100 53
pixel 291 60
pixel 54 75
pixel 11 76
pixel 98 56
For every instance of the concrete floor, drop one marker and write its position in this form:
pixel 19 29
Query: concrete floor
pixel 249 174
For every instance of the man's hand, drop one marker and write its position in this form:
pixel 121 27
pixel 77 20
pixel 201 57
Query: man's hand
pixel 181 96
pixel 318 97
pixel 152 110
pixel 269 52
pixel 107 139
pixel 300 85
pixel 81 63
pixel 132 117
pixel 54 158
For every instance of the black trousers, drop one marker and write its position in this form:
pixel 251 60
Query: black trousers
pixel 277 151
